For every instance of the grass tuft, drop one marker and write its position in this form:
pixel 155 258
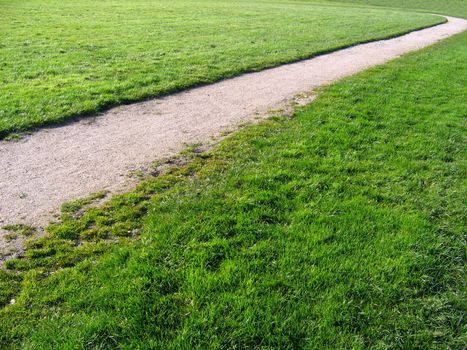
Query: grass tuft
pixel 20 229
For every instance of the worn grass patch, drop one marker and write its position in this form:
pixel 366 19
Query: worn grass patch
pixel 343 227
pixel 63 59
pixel 19 229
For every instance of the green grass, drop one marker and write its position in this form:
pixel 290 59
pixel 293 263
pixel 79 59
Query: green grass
pixel 343 227
pixel 447 7
pixel 63 59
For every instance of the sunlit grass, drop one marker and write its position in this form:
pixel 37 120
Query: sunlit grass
pixel 456 8
pixel 60 59
pixel 343 227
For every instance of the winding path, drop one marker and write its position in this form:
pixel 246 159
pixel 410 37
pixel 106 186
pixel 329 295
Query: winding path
pixel 54 165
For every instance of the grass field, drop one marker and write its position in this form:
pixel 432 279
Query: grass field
pixel 343 227
pixel 61 59
pixel 456 8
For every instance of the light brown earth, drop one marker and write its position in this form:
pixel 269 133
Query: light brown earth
pixel 55 165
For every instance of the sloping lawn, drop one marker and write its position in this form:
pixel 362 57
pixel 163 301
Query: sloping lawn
pixel 343 227
pixel 62 59
pixel 456 8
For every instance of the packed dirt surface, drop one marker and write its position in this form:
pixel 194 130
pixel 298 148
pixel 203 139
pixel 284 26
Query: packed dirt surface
pixel 41 171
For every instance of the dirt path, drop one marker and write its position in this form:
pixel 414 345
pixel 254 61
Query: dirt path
pixel 54 165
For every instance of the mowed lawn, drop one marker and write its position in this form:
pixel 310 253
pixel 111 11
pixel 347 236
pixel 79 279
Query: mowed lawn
pixel 342 227
pixel 456 8
pixel 61 59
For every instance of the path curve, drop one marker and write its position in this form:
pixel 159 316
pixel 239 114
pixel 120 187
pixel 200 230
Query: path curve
pixel 58 164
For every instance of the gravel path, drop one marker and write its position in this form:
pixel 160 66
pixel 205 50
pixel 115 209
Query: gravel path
pixel 54 165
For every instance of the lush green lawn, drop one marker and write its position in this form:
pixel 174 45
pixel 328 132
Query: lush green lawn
pixel 343 227
pixel 448 7
pixel 60 59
